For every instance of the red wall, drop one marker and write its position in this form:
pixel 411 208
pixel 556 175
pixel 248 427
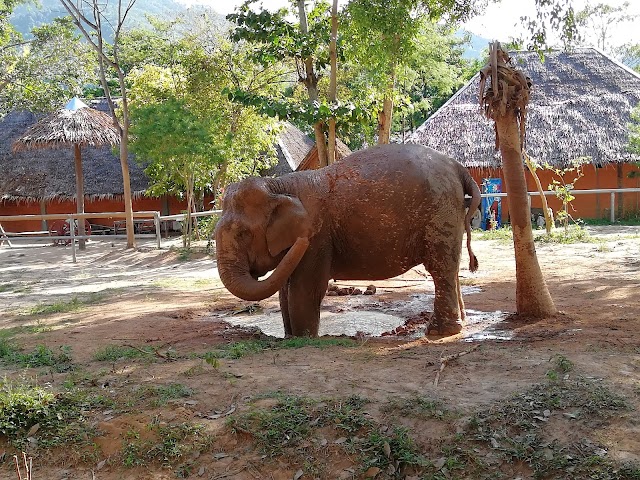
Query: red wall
pixel 584 206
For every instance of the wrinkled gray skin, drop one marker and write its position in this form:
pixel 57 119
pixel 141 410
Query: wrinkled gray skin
pixel 371 216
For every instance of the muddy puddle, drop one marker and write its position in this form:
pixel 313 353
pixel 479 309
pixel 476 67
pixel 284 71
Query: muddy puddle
pixel 376 316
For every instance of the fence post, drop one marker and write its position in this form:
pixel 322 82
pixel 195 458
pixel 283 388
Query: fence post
pixel 613 207
pixel 72 232
pixel 156 222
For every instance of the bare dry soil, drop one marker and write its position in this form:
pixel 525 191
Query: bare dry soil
pixel 158 372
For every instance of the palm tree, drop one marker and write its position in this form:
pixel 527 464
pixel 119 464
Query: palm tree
pixel 505 101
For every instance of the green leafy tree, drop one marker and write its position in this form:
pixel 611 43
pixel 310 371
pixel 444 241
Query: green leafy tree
pixel 92 18
pixel 562 185
pixel 42 72
pixel 304 46
pixel 629 54
pixel 601 20
pixel 177 150
pixel 198 75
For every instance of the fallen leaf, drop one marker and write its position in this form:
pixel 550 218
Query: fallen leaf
pixel 387 449
pixel 100 464
pixel 201 471
pixel 298 474
pixel 439 463
pixel 372 472
pixel 32 431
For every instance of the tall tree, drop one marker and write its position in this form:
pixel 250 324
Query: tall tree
pixel 304 44
pixel 505 101
pixel 90 18
pixel 600 21
pixel 42 71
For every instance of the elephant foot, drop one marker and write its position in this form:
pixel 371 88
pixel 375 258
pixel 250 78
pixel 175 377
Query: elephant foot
pixel 448 327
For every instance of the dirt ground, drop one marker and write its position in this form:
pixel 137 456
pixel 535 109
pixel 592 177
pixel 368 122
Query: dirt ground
pixel 556 398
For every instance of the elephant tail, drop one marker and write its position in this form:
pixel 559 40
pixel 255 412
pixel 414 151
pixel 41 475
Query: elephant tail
pixel 471 189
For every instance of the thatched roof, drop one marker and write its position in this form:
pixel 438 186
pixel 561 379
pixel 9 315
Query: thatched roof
pixel 74 124
pixel 297 151
pixel 580 106
pixel 47 173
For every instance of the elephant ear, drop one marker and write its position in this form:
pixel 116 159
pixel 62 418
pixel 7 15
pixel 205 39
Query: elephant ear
pixel 289 220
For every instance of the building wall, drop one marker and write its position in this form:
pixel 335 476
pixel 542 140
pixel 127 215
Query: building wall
pixel 584 206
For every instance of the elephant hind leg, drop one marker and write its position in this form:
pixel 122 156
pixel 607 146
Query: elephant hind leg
pixel 448 306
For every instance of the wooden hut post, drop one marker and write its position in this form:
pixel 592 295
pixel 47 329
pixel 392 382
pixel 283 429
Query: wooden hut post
pixel 79 195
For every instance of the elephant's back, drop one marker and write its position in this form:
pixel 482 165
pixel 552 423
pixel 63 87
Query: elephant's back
pixel 385 199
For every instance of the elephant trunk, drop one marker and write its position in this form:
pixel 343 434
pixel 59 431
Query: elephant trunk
pixel 240 283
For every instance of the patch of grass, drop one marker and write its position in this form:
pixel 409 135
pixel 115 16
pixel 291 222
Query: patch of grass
pixel 113 353
pixel 502 234
pixel 575 234
pixel 416 406
pixel 8 287
pixel 347 415
pixel 52 418
pixel 169 445
pixel 173 391
pixel 250 347
pixel 40 356
pixel 514 430
pixel 285 424
pixel 390 449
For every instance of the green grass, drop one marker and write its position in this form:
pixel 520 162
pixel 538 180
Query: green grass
pixel 40 356
pixel 574 234
pixel 502 234
pixel 174 446
pixel 416 406
pixel 251 347
pixel 58 418
pixel 113 353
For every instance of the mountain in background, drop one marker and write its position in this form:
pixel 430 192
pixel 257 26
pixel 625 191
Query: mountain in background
pixel 27 16
pixel 477 47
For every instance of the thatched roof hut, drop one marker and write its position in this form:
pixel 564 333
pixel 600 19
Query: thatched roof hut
pixel 580 107
pixel 297 151
pixel 48 174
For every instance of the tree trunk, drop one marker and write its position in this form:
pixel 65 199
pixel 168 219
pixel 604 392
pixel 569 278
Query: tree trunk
pixel 311 82
pixel 532 295
pixel 505 101
pixel 126 181
pixel 333 82
pixel 548 221
pixel 385 117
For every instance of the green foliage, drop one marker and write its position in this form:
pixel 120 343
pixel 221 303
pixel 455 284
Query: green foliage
pixel 40 356
pixel 250 347
pixel 385 446
pixel 168 445
pixel 113 353
pixel 634 131
pixel 58 307
pixel 573 234
pixel 283 425
pixel 54 418
pixel 562 185
pixel 41 72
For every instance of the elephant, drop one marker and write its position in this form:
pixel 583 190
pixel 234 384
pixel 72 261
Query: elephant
pixel 371 216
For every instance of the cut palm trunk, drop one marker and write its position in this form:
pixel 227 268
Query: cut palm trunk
pixel 505 101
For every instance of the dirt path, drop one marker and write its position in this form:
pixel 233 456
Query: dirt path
pixel 554 399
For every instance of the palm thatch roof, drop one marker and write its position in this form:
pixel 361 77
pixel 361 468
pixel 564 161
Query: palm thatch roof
pixel 579 107
pixel 46 174
pixel 297 151
pixel 73 125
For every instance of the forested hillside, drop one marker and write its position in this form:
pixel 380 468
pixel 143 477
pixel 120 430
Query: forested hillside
pixel 27 16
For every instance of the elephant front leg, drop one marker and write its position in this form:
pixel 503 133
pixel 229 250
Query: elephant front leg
pixel 284 308
pixel 307 288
